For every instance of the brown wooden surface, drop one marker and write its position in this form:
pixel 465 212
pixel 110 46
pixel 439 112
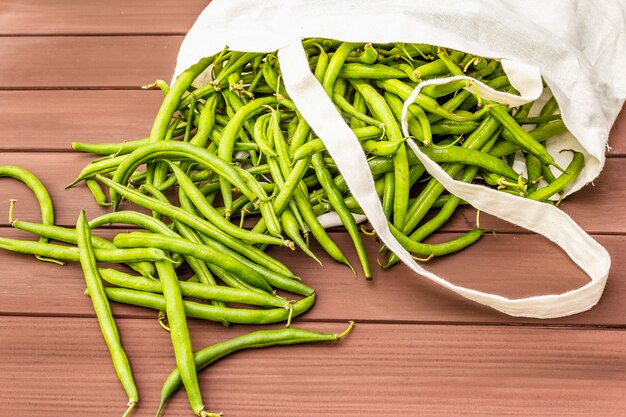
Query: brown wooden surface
pixel 72 71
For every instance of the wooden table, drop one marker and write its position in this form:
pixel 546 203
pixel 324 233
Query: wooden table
pixel 70 70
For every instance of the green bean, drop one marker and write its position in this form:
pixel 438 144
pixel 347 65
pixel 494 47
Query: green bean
pixel 388 194
pixel 41 194
pixel 122 148
pixel 550 107
pixel 253 340
pixel 369 55
pixel 71 253
pixel 418 123
pixel 540 134
pixel 235 103
pixel 212 313
pixel 400 158
pixel 102 166
pixel 538 119
pixel 547 175
pixel 344 105
pixel 441 90
pixel 572 170
pixel 280 280
pixel 432 69
pixel 433 189
pixel 317 145
pixel 199 267
pixel 452 203
pixel 522 138
pixel 229 136
pixel 358 104
pixel 103 311
pixel 178 150
pixel 335 64
pixel 427 103
pixel 97 193
pixel 291 228
pixel 336 200
pixel 69 236
pixel 195 289
pixel 173 97
pixel 533 168
pixel 437 249
pixel 270 269
pixel 270 76
pixel 372 71
pixel 470 157
pixel 172 304
pixel 185 247
pixel 211 214
pixel 200 225
pixel 206 122
pixel 450 127
pixel 299 136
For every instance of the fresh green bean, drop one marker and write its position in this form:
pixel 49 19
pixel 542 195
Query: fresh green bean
pixel 103 311
pixel 195 289
pixel 71 253
pixel 211 214
pixel 172 304
pixel 69 236
pixel 41 194
pixel 572 170
pixel 212 313
pixel 185 247
pixel 253 340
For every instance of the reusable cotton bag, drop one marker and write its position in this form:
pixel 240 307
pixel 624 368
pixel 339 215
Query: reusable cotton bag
pixel 578 47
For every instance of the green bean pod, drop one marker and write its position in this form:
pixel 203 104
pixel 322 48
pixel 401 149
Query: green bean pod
pixel 103 311
pixel 572 170
pixel 185 247
pixel 195 289
pixel 67 235
pixel 212 313
pixel 41 194
pixel 172 304
pixel 253 340
pixel 71 253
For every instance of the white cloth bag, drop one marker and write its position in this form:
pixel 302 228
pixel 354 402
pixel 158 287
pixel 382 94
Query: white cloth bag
pixel 579 47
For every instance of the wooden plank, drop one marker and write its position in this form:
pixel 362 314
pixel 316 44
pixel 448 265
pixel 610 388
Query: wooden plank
pixel 56 170
pixel 103 116
pixel 60 367
pixel 34 120
pixel 493 265
pixel 617 136
pixel 81 62
pixel 604 195
pixel 63 17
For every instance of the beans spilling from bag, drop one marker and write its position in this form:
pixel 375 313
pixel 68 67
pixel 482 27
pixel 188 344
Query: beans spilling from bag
pixel 234 107
pixel 231 167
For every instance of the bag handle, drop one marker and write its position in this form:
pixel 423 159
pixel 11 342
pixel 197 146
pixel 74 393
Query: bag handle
pixel 318 110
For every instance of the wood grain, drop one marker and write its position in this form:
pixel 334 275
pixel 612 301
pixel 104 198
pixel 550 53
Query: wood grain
pixel 83 62
pixel 397 295
pixel 67 17
pixel 72 71
pixel 588 207
pixel 61 368
pixel 34 120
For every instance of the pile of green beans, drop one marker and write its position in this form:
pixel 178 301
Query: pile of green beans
pixel 245 161
pixel 165 284
pixel 230 168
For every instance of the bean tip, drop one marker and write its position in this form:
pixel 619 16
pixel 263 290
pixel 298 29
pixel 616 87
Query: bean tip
pixel 348 330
